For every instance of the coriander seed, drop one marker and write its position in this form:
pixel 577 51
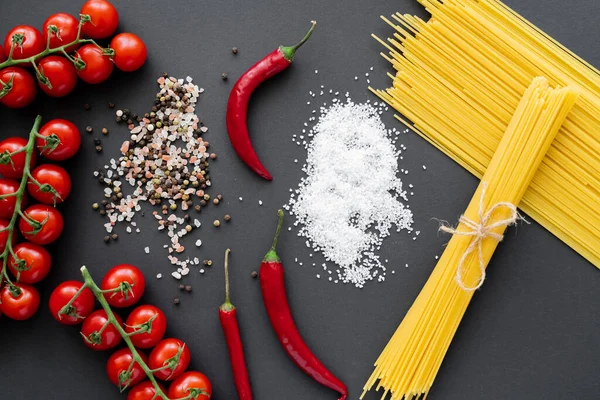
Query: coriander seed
pixel 89 129
pixel 173 207
pixel 216 201
pixel 104 131
pixel 176 301
pixel 224 76
pixel 217 223
pixel 188 288
pixel 209 263
pixel 234 50
pixel 106 239
pixel 95 206
pixel 114 236
pixel 254 274
pixel 227 217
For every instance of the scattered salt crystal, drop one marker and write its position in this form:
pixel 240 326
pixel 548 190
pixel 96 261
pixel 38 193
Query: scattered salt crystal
pixel 240 199
pixel 424 167
pixel 158 276
pixel 176 275
pixel 350 148
pixel 202 271
pixel 147 250
pixel 198 243
pixel 260 203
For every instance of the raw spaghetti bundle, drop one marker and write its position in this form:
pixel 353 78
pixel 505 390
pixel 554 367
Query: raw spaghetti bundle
pixel 459 79
pixel 409 363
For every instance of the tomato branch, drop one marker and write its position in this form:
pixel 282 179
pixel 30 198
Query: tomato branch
pixel 79 64
pixel 28 149
pixel 89 282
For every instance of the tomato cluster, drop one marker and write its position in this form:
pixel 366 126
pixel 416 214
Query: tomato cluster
pixel 48 184
pixel 57 75
pixel 123 286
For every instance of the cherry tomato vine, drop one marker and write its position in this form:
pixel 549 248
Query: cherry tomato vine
pixel 176 363
pixel 78 62
pixel 6 158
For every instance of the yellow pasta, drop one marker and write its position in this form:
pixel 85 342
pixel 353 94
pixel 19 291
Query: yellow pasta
pixel 459 79
pixel 409 363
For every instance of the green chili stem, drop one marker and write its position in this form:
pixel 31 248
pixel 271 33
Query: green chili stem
pixel 87 278
pixel 29 149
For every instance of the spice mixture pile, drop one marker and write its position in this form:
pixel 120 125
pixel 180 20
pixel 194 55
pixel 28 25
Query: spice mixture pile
pixel 166 162
pixel 351 196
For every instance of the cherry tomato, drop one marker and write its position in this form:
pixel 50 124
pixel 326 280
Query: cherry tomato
pixel 54 176
pixel 104 19
pixel 93 325
pixel 98 66
pixel 144 391
pixel 19 86
pixel 14 167
pixel 7 205
pixel 141 316
pixel 117 367
pixel 20 303
pixel 80 308
pixel 32 263
pixel 132 283
pixel 47 227
pixel 60 73
pixel 2 55
pixel 66 132
pixel 130 51
pixel 163 355
pixel 4 235
pixel 67 26
pixel 191 381
pixel 32 44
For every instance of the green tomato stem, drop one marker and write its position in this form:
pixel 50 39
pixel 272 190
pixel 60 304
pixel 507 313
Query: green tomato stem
pixel 28 149
pixel 89 282
pixel 61 49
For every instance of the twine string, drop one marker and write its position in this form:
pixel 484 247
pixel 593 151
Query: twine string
pixel 480 231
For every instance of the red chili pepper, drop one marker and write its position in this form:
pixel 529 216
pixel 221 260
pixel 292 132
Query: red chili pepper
pixel 275 299
pixel 231 329
pixel 237 106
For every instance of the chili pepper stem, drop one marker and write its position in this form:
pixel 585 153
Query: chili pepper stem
pixel 227 306
pixel 89 282
pixel 289 51
pixel 272 256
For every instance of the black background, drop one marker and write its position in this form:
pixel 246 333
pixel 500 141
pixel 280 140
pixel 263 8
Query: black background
pixel 531 333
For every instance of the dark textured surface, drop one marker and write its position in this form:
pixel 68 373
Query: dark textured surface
pixel 531 333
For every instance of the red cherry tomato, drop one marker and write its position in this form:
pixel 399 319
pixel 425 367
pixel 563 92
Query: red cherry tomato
pixel 94 324
pixel 141 316
pixel 7 204
pixel 132 283
pixel 19 86
pixel 98 66
pixel 117 367
pixel 67 26
pixel 191 381
pixel 21 302
pixel 66 132
pixel 60 73
pixel 80 308
pixel 32 263
pixel 144 391
pixel 14 168
pixel 47 227
pixel 2 55
pixel 104 19
pixel 32 43
pixel 130 51
pixel 164 354
pixel 4 235
pixel 50 175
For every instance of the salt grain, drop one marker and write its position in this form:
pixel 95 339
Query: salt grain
pixel 351 149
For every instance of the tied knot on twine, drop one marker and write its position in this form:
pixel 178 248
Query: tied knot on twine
pixel 480 231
